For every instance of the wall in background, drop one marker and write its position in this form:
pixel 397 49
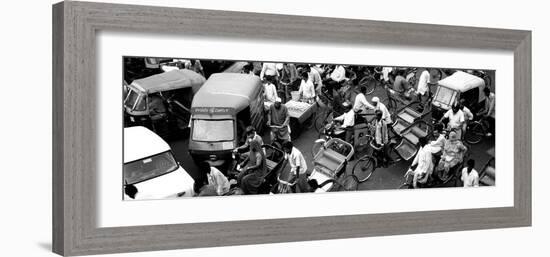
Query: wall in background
pixel 25 223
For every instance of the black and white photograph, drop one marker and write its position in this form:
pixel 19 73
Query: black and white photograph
pixel 204 127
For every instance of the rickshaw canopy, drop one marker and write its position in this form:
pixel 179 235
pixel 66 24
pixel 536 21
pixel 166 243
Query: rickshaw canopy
pixel 170 80
pixel 462 81
pixel 227 90
pixel 459 84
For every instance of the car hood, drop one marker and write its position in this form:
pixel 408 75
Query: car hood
pixel 166 186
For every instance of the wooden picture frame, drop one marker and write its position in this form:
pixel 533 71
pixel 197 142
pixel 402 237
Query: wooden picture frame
pixel 74 130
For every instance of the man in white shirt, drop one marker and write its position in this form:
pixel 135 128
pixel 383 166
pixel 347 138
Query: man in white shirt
pixel 348 121
pixel 386 115
pixel 423 87
pixel 270 91
pixel 298 166
pixel 217 182
pixel 338 74
pixel 422 165
pixel 470 177
pixel 315 77
pixel 269 70
pixel 456 119
pixel 489 110
pixel 361 104
pixel 307 89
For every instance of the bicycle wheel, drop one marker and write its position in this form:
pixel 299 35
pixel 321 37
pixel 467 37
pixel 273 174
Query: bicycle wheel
pixel 474 134
pixel 364 168
pixel 350 183
pixel 368 82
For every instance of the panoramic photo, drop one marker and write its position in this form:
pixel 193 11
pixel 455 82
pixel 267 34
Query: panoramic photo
pixel 195 128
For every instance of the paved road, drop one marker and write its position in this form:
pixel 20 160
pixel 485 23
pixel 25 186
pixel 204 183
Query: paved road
pixel 383 178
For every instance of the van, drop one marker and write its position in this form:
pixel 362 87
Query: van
pixel 221 110
pixel 150 170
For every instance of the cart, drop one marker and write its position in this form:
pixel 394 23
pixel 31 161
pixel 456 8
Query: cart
pixel 330 162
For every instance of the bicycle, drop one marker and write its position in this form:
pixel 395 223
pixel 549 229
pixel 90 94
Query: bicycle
pixel 476 131
pixel 373 159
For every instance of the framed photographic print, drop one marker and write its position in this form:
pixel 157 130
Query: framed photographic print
pixel 184 128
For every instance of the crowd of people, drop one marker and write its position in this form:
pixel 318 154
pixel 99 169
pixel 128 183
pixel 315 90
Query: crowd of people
pixel 437 155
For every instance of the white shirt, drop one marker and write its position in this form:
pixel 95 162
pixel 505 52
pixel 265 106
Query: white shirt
pixel 361 103
pixel 467 114
pixel 438 144
pixel 455 119
pixel 269 69
pixel 217 179
pixel 386 115
pixel 338 74
pixel 307 89
pixel 348 119
pixel 270 92
pixel 423 82
pixel 296 159
pixel 385 73
pixel 424 160
pixel 315 77
pixel 470 180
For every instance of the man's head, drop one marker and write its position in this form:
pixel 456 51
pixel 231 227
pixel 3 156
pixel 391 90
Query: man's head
pixel 455 108
pixel 487 91
pixel 346 106
pixel 363 90
pixel 304 75
pixel 277 103
pixel 422 141
pixel 438 129
pixel 375 101
pixel 470 164
pixel 378 115
pixel 287 147
pixel 250 132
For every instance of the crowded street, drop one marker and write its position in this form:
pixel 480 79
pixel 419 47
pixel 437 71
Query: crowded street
pixel 352 127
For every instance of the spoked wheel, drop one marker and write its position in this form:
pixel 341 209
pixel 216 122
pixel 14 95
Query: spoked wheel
pixel 368 82
pixel 405 186
pixel 474 134
pixel 364 168
pixel 350 183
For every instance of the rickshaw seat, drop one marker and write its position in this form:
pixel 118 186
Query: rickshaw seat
pixel 414 134
pixel 406 149
pixel 399 126
pixel 329 159
pixel 409 115
pixel 270 164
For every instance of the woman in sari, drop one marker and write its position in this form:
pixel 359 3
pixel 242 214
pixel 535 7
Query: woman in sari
pixel 453 153
pixel 255 170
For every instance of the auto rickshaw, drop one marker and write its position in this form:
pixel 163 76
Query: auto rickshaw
pixel 161 102
pixel 460 85
pixel 220 112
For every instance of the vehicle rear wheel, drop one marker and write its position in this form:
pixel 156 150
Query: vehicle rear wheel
pixel 474 134
pixel 368 82
pixel 350 183
pixel 364 168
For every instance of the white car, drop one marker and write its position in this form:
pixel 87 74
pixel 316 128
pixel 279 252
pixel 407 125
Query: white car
pixel 150 169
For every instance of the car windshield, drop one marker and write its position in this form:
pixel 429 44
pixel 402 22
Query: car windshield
pixel 133 96
pixel 213 130
pixel 150 167
pixel 445 96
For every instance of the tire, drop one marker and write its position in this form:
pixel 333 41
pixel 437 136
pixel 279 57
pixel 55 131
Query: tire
pixel 369 83
pixel 364 168
pixel 350 183
pixel 474 134
pixel 405 186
